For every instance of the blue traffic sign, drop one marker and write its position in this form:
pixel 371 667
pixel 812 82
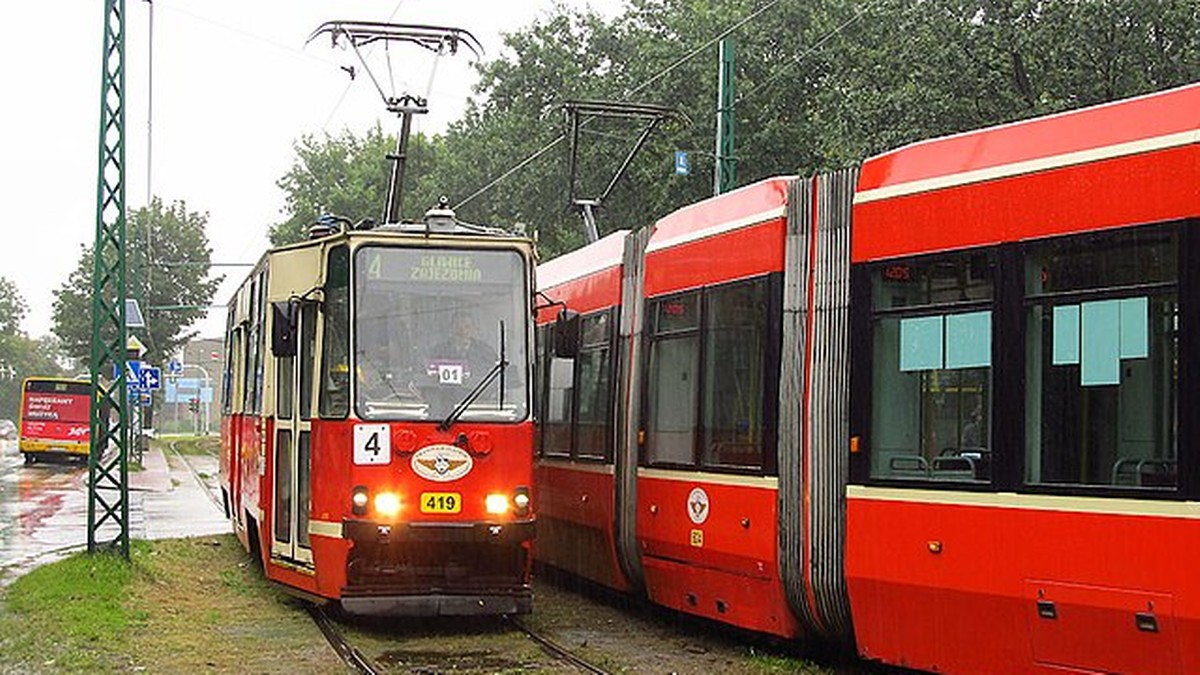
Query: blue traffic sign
pixel 681 163
pixel 150 378
pixel 174 367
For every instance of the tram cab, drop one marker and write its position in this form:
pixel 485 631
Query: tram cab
pixel 377 436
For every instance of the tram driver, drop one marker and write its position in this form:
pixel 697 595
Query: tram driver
pixel 465 350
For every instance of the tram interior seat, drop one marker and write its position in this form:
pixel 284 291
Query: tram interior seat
pixel 1140 472
pixel 953 468
pixel 908 466
pixel 735 453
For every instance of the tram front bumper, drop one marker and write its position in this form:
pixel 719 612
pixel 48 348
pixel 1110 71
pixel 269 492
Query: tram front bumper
pixel 439 569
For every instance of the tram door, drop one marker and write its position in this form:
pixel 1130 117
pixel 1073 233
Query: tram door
pixel 292 494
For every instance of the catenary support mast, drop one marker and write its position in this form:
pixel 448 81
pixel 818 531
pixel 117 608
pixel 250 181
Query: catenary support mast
pixel 108 470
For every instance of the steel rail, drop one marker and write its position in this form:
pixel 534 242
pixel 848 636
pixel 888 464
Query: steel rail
pixel 353 658
pixel 554 649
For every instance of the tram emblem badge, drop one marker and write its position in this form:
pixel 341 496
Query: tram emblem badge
pixel 697 505
pixel 442 463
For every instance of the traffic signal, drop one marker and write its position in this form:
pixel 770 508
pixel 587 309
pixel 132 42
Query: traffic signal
pixel 194 405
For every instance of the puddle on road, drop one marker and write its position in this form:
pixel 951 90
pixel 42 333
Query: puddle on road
pixel 433 662
pixel 43 513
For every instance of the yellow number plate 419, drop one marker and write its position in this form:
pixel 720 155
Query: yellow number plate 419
pixel 441 502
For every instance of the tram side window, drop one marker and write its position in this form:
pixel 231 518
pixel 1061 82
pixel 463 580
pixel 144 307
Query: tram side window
pixel 1102 317
pixel 227 377
pixel 335 359
pixel 254 351
pixel 308 350
pixel 594 387
pixel 932 369
pixel 560 388
pixel 735 332
pixel 673 380
pixel 540 336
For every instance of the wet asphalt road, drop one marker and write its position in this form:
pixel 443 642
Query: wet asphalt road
pixel 43 507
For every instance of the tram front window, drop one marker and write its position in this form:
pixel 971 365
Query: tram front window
pixel 432 325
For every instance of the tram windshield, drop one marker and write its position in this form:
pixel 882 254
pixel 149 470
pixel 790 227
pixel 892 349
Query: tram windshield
pixel 441 331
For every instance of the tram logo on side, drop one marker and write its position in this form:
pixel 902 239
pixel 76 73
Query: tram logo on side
pixel 442 463
pixel 697 505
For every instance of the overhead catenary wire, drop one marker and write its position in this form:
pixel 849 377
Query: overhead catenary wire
pixel 687 57
pixel 631 92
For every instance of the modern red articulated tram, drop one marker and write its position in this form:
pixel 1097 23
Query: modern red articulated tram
pixel 936 406
pixel 377 441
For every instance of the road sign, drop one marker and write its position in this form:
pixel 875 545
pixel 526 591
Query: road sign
pixel 174 367
pixel 681 163
pixel 150 378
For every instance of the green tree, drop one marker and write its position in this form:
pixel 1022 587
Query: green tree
pixel 20 355
pixel 822 84
pixel 168 262
pixel 346 176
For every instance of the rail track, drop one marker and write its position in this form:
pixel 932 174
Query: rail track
pixel 554 649
pixel 196 476
pixel 361 663
pixel 353 658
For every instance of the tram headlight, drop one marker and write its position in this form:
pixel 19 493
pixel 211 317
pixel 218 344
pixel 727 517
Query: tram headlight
pixel 497 504
pixel 358 500
pixel 521 501
pixel 387 504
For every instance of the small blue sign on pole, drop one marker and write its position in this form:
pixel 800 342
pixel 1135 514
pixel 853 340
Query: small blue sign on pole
pixel 681 163
pixel 150 378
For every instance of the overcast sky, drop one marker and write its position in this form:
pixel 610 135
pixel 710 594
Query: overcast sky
pixel 233 87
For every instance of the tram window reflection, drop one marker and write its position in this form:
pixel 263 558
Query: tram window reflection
pixel 932 381
pixel 1102 360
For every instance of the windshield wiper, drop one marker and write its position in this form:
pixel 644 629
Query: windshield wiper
pixel 467 400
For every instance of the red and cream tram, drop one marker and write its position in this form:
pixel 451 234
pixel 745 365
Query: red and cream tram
pixel 377 435
pixel 936 406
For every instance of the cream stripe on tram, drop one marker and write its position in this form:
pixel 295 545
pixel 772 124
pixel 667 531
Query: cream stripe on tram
pixel 324 528
pixel 585 467
pixel 714 230
pixel 1012 500
pixel 768 482
pixel 1030 166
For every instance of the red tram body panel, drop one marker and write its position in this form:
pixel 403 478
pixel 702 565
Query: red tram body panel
pixel 576 527
pixel 935 406
pixel 1078 572
pixel 377 440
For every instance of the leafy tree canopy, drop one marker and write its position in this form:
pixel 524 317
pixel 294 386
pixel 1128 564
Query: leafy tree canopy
pixel 821 84
pixel 20 355
pixel 168 260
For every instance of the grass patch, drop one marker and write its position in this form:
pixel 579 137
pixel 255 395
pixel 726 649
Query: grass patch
pixel 72 615
pixel 179 606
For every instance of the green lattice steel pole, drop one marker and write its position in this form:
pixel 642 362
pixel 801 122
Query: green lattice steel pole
pixel 725 171
pixel 108 469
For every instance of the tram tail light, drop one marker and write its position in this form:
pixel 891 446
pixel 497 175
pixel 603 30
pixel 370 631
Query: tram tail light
pixel 358 500
pixel 521 501
pixel 497 504
pixel 387 504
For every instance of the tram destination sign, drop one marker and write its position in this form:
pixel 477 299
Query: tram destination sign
pixel 439 266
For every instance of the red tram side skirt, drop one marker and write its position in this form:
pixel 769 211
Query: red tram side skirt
pixel 956 588
pixel 725 568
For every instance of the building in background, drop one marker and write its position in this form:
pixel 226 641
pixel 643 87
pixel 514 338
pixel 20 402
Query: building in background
pixel 192 391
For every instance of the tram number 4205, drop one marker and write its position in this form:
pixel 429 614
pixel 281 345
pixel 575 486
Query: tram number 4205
pixel 441 502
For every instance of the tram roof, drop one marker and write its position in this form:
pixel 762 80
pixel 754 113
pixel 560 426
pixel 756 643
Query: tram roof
pixel 581 262
pixel 1120 164
pixel 1124 127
